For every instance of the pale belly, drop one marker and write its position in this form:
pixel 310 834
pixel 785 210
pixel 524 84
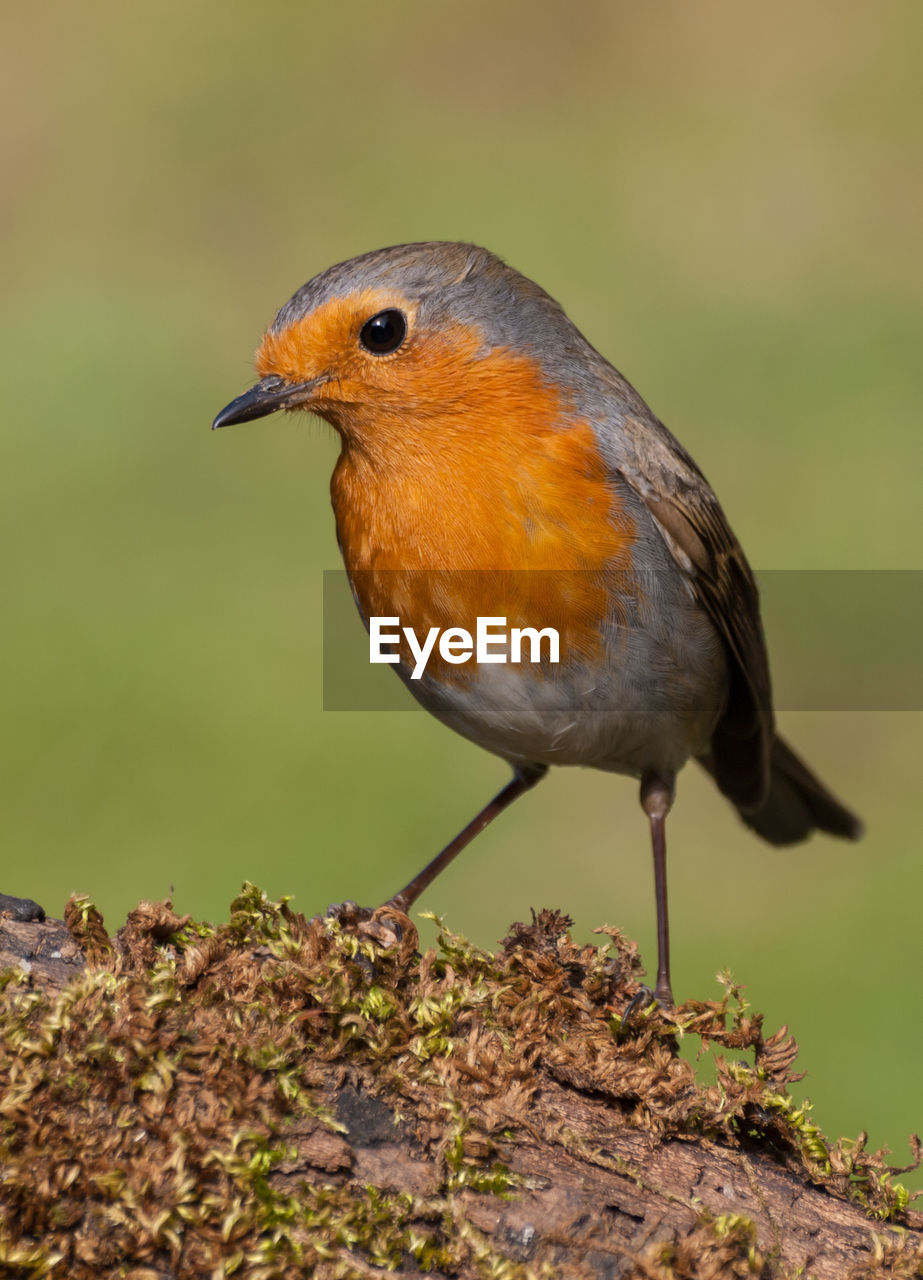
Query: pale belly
pixel 649 702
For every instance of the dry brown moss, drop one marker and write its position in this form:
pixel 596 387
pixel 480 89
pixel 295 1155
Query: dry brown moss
pixel 170 1112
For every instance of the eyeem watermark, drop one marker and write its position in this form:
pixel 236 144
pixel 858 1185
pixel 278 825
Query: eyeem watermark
pixel 491 642
pixel 839 639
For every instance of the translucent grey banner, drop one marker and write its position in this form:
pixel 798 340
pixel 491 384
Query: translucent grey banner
pixel 838 640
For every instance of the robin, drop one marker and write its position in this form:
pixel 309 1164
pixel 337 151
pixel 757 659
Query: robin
pixel 495 466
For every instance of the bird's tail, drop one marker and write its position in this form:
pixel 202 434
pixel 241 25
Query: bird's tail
pixel 798 803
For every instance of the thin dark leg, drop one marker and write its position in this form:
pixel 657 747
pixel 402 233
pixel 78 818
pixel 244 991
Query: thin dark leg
pixel 656 799
pixel 526 778
pixel 663 990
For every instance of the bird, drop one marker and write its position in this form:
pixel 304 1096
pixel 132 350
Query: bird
pixel 494 465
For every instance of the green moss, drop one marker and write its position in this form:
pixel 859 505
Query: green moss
pixel 256 918
pixel 181 1077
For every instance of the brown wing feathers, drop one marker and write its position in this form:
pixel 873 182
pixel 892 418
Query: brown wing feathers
pixel 773 790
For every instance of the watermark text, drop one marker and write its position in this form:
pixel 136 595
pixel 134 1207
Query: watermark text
pixel 491 642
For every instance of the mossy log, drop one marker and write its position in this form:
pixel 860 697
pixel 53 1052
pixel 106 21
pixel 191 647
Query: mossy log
pixel 282 1097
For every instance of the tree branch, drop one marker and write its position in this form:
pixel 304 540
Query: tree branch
pixel 280 1098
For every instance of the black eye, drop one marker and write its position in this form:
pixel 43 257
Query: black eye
pixel 384 333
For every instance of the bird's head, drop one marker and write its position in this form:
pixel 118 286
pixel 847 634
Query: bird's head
pixel 410 335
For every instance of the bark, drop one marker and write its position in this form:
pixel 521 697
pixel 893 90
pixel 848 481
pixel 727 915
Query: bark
pixel 179 1102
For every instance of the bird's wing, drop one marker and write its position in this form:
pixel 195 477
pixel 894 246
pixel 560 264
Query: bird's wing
pixel 699 538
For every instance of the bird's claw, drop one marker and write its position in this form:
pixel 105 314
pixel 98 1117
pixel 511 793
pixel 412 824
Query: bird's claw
pixel 348 913
pixel 640 1000
pixel 382 924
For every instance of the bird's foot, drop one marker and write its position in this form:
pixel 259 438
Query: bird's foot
pixel 348 914
pixel 642 998
pixel 385 925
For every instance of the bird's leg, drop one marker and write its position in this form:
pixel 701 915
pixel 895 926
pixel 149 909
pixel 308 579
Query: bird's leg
pixel 656 800
pixel 526 777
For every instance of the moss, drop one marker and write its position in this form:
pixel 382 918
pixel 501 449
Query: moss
pixel 718 1248
pixel 160 1113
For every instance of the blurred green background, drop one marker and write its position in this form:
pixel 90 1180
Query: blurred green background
pixel 727 200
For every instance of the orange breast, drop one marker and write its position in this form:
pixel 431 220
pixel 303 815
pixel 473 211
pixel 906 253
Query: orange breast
pixel 495 504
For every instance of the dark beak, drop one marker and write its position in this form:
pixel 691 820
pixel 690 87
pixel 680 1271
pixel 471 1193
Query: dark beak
pixel 266 397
